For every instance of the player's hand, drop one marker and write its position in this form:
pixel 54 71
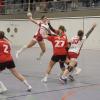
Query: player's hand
pixel 94 25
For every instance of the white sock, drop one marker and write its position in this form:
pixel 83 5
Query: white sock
pixel 22 49
pixel 41 54
pixel 46 75
pixel 2 86
pixel 26 83
pixel 64 77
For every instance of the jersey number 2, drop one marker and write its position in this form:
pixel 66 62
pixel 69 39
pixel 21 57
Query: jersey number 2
pixel 5 48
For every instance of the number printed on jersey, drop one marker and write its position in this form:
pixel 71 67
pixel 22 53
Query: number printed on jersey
pixel 59 43
pixel 75 41
pixel 6 48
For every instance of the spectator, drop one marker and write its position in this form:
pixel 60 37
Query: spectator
pixel 75 3
pixel 1 6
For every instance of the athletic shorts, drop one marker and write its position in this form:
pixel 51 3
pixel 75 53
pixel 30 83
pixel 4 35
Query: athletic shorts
pixel 8 65
pixel 72 55
pixel 57 58
pixel 38 37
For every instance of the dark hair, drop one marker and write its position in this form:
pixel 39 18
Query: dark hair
pixel 62 28
pixel 80 34
pixel 43 16
pixel 2 34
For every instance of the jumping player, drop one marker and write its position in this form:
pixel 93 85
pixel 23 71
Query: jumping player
pixel 59 43
pixel 38 37
pixel 74 51
pixel 6 61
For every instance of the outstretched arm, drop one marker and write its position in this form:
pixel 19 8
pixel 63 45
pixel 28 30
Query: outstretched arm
pixel 51 28
pixel 90 31
pixel 29 15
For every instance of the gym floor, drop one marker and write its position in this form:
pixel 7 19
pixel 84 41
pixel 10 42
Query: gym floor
pixel 85 87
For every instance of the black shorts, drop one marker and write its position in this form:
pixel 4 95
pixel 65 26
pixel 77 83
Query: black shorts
pixel 57 58
pixel 8 65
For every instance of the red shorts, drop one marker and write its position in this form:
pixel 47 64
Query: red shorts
pixel 38 37
pixel 72 55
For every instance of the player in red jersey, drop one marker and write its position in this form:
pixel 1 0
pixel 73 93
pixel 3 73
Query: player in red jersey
pixel 6 61
pixel 59 43
pixel 38 37
pixel 76 44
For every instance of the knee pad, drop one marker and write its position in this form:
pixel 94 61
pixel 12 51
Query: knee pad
pixel 70 68
pixel 62 65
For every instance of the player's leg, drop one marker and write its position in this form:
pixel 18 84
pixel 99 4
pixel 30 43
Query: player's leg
pixel 2 86
pixel 11 66
pixel 69 69
pixel 49 68
pixel 54 59
pixel 43 48
pixel 77 70
pixel 62 65
pixel 29 45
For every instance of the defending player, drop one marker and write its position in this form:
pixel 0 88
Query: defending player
pixel 74 51
pixel 38 37
pixel 59 43
pixel 6 61
pixel 62 66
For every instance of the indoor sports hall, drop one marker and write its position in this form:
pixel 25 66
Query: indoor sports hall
pixel 20 30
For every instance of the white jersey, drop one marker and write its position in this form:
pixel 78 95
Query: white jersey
pixel 76 44
pixel 43 29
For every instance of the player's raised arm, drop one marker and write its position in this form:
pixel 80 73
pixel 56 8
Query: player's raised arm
pixel 29 15
pixel 51 28
pixel 90 31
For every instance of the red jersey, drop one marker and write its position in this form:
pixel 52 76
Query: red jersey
pixel 59 44
pixel 5 49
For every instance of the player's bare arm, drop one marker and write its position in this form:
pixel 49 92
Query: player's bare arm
pixel 29 15
pixel 90 31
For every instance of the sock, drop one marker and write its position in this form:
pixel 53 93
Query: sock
pixel 26 83
pixel 2 86
pixel 64 77
pixel 46 75
pixel 22 49
pixel 41 54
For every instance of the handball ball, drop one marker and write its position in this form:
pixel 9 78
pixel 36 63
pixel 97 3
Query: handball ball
pixel 29 14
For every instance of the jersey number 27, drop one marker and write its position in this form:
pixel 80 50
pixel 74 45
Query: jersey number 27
pixel 59 43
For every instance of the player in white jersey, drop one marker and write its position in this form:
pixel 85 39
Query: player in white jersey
pixel 38 37
pixel 76 44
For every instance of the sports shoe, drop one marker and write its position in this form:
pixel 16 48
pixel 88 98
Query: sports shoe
pixel 29 88
pixel 71 78
pixel 63 81
pixel 44 80
pixel 77 70
pixel 2 87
